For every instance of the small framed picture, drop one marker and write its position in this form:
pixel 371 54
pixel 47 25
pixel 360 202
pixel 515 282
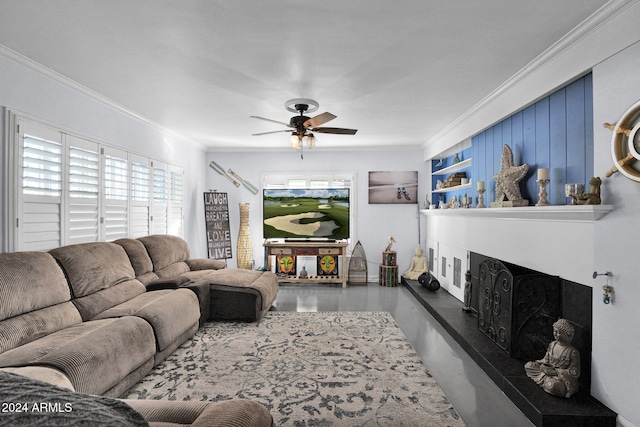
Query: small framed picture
pixel 327 265
pixel 286 265
pixel 393 187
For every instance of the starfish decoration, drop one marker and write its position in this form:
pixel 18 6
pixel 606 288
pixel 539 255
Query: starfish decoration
pixel 507 179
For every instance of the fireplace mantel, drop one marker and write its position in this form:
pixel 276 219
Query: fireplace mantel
pixel 569 213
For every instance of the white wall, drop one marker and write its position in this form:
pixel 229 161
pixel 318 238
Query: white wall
pixel 616 336
pixel 374 223
pixel 34 93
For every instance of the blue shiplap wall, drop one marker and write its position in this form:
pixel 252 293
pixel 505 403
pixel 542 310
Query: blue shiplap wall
pixel 555 132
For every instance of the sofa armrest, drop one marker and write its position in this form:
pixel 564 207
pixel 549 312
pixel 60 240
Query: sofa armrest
pixel 205 264
pixel 172 283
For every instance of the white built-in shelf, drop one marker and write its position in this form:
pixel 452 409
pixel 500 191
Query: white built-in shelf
pixel 457 187
pixel 449 169
pixel 570 213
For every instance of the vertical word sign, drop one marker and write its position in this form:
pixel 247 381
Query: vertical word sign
pixel 216 214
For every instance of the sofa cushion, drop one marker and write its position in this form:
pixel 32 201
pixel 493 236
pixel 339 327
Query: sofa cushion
pixel 170 312
pixel 93 304
pixel 42 373
pixel 91 267
pixel 94 355
pixel 35 298
pixel 262 283
pixel 137 254
pixel 100 275
pixel 168 254
pixel 47 284
pixel 28 327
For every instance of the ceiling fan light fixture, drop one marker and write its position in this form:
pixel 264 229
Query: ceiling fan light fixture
pixel 301 126
pixel 309 140
pixel 295 141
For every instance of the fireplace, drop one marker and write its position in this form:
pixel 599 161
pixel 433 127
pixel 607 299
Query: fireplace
pixel 552 241
pixel 516 307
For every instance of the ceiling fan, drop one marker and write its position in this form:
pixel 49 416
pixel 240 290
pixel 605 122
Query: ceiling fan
pixel 302 127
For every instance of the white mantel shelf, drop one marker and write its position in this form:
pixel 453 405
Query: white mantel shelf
pixel 569 213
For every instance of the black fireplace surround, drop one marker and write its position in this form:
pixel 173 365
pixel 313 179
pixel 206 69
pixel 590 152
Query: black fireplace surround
pixel 512 310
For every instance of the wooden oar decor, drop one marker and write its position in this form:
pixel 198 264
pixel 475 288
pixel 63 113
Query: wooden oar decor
pixel 232 176
pixel 216 167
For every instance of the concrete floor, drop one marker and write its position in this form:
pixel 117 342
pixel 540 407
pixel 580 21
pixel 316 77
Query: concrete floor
pixel 476 398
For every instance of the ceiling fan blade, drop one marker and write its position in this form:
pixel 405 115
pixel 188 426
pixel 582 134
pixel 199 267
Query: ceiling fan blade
pixel 273 131
pixel 320 119
pixel 270 120
pixel 341 131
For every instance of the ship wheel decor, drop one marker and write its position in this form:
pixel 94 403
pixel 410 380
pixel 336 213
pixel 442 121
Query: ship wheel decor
pixel 358 273
pixel 625 144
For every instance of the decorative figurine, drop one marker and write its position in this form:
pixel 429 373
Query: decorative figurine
pixel 418 265
pixel 464 202
pixel 389 244
pixel 590 198
pixel 507 181
pixel 467 292
pixel 558 371
pixel 456 159
pixel 303 273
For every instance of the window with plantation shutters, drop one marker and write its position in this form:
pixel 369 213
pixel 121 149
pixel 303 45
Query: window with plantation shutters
pixel 63 188
pixel 83 219
pixel 116 194
pixel 140 197
pixel 39 213
pixel 159 224
pixel 175 214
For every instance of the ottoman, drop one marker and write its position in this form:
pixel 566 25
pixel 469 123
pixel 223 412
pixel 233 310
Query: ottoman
pixel 238 294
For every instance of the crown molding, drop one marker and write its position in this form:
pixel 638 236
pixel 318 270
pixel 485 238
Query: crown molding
pixel 73 85
pixel 596 23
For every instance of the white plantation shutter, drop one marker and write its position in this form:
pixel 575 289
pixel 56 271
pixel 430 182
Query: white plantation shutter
pixel 159 225
pixel 39 204
pixel 175 214
pixel 116 194
pixel 140 197
pixel 65 189
pixel 83 218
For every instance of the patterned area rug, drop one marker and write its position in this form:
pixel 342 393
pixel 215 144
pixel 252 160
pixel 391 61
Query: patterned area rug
pixel 308 369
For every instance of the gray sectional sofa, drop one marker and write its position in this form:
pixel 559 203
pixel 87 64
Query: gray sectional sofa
pixel 96 317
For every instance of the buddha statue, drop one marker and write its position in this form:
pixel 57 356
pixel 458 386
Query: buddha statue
pixel 558 371
pixel 417 267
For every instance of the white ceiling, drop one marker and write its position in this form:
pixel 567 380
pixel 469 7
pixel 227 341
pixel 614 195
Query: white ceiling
pixel 398 71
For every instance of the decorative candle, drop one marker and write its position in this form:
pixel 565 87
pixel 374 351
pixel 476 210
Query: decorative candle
pixel 543 173
pixel 480 185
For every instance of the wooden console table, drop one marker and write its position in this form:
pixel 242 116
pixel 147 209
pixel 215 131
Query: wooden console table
pixel 316 249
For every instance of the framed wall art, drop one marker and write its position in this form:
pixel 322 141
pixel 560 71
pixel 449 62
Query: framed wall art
pixel 327 265
pixel 393 187
pixel 286 265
